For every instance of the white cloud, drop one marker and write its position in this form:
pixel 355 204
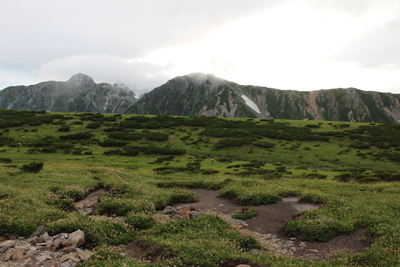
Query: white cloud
pixel 286 44
pixel 139 75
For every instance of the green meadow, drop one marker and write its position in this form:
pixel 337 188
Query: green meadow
pixel 49 161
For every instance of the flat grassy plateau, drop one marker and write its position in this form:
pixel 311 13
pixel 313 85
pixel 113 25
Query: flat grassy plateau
pixel 48 161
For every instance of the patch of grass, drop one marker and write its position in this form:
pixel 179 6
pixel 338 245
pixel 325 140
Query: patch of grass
pixel 245 213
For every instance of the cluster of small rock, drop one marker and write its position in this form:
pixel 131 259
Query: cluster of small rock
pixel 61 250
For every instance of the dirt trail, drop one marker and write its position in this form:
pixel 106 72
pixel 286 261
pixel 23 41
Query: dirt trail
pixel 269 227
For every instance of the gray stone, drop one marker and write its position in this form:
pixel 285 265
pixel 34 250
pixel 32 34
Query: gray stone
pixel 65 243
pixel 44 238
pixel 256 251
pixel 5 245
pixel 159 218
pixel 77 238
pixel 38 231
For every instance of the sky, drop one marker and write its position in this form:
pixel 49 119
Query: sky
pixel 285 44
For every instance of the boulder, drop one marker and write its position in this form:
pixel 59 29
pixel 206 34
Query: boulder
pixel 77 238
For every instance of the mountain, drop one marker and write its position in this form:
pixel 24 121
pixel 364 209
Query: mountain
pixel 199 94
pixel 205 94
pixel 80 93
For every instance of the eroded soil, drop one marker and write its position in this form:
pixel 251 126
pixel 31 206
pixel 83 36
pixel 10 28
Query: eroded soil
pixel 270 224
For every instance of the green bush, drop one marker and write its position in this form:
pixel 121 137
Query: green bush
pixel 157 136
pixel 33 167
pixel 77 136
pixel 98 231
pixel 318 228
pixel 227 143
pixel 64 128
pixel 123 206
pixel 264 144
pixel 112 143
pixel 245 213
pixel 93 125
pixel 5 160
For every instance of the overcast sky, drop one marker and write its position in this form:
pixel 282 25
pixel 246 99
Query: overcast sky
pixel 284 44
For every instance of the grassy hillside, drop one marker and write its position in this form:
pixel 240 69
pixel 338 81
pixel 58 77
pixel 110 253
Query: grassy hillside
pixel 147 162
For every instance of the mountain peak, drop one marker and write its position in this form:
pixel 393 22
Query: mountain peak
pixel 81 80
pixel 200 77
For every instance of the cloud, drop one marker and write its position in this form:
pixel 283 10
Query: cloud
pixel 287 44
pixel 139 75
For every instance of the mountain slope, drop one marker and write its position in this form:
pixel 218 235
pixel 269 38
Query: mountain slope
pixel 200 94
pixel 80 93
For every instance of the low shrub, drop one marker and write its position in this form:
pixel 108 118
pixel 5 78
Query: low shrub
pixel 123 206
pixel 227 143
pixel 209 171
pixel 98 231
pixel 5 160
pixel 64 128
pixel 313 176
pixel 33 167
pixel 77 136
pixel 245 213
pixel 93 125
pixel 140 220
pixel 156 136
pixel 317 228
pixel 112 143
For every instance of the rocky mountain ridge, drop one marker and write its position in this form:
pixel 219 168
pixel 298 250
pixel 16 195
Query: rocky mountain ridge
pixel 199 94
pixel 79 94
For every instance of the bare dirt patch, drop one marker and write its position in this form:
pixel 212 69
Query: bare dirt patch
pixel 269 227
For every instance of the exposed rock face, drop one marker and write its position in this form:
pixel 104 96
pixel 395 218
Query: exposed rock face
pixel 80 93
pixel 200 94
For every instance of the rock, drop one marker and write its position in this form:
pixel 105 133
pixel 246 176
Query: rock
pixel 57 243
pixel 8 256
pixel 41 259
pixel 6 245
pixel 77 238
pixel 70 249
pixel 186 212
pixel 44 238
pixel 84 255
pixel 169 210
pixel 159 218
pixel 28 258
pixel 256 251
pixel 17 254
pixel 65 243
pixel 194 214
pixel 38 231
pixel 70 258
pixel 33 241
